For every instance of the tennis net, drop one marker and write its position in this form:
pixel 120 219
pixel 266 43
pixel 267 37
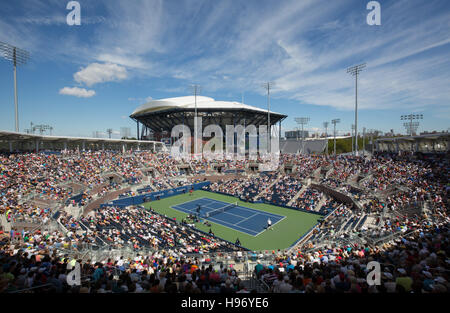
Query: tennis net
pixel 221 210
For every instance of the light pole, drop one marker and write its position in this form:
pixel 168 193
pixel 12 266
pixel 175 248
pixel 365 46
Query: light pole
pixel 371 132
pixel 325 125
pixel 364 141
pixel 17 57
pixel 334 122
pixel 268 86
pixel 353 139
pixel 355 70
pixel 302 121
pixel 196 91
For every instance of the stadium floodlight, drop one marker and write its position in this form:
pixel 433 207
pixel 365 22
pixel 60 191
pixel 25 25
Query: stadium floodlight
pixel 411 126
pixel 109 131
pixel 355 70
pixel 302 121
pixel 17 57
pixel 42 128
pixel 195 90
pixel 334 122
pixel 268 86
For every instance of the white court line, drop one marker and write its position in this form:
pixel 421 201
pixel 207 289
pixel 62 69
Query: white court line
pixel 252 231
pixel 272 226
pixel 251 209
pixel 179 208
pixel 245 219
pixel 222 222
pixel 230 225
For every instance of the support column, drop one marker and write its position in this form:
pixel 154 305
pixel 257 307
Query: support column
pixel 10 147
pixel 37 146
pixel 279 133
pixel 137 132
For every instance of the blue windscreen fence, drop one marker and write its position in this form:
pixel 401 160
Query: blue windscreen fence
pixel 157 195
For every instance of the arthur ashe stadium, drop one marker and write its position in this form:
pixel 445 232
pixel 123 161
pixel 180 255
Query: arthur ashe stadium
pixel 137 220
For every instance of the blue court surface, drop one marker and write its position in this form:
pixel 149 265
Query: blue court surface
pixel 246 220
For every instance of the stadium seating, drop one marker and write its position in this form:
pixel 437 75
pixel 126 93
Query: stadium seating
pixel 402 211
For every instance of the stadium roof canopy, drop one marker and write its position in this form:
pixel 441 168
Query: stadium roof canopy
pixel 14 141
pixel 164 114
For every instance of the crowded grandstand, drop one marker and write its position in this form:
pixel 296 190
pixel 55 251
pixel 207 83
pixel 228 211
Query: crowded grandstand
pixel 71 207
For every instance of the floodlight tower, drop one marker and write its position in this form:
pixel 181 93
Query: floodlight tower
pixel 42 128
pixel 325 125
pixel 411 126
pixel 302 121
pixel 109 131
pixel 334 122
pixel 355 70
pixel 268 86
pixel 17 57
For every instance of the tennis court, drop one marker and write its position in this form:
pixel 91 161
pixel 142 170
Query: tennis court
pixel 288 225
pixel 246 220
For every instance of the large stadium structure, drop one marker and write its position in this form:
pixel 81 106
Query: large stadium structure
pixel 158 117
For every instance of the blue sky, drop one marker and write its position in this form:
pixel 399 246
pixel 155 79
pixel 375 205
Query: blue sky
pixel 91 77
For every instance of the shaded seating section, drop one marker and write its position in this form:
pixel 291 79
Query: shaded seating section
pixel 254 185
pixel 309 199
pixel 329 206
pixel 284 190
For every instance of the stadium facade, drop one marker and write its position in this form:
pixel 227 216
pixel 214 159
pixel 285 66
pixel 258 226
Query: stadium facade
pixel 426 143
pixel 158 117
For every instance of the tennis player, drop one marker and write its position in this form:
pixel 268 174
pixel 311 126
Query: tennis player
pixel 269 224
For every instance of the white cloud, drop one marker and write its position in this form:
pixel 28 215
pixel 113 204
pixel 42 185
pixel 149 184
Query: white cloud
pixel 96 73
pixel 145 100
pixel 132 61
pixel 77 92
